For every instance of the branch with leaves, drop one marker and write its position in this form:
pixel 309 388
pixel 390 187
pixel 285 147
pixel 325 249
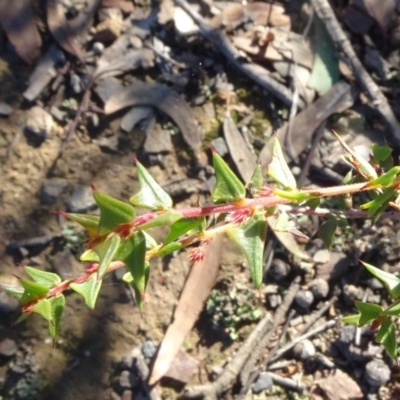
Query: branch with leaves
pixel 119 237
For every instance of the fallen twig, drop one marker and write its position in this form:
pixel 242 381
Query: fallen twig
pixel 253 71
pixel 248 353
pixel 326 14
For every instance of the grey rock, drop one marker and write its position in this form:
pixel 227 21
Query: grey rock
pixel 182 368
pixel 322 256
pixel 279 269
pixel 8 347
pixel 134 116
pixel 81 199
pixel 98 48
pixel 319 288
pixel 5 109
pixel 8 304
pixel 377 373
pixel 39 123
pixel 304 350
pixel 220 146
pixel 57 113
pixel 76 83
pixel 148 349
pixel 107 87
pixel 375 284
pixel 304 298
pixel 51 190
pixel 157 141
pixel 274 300
pixel 263 382
pixel 347 333
pixel 108 143
pixel 127 380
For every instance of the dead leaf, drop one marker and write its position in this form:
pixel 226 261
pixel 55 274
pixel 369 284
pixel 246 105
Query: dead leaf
pixel 201 280
pixel 164 99
pixel 18 22
pixel 307 121
pixel 126 7
pixel 381 11
pixel 68 32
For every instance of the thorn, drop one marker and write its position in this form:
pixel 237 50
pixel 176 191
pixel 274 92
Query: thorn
pixel 134 158
pixel 213 151
pixel 93 187
pixel 59 213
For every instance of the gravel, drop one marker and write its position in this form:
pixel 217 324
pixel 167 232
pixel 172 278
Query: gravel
pixel 377 373
pixel 263 382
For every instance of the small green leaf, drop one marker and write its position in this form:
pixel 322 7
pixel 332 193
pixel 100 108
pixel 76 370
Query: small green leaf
pixel 278 170
pixel 228 186
pixel 32 291
pixel 351 319
pixel 368 311
pixel 394 309
pixel 182 227
pixel 387 337
pixel 386 179
pixel 392 282
pixel 15 291
pixel 151 195
pixel 89 222
pixel 376 206
pixel 89 256
pixel 292 195
pixel 49 279
pixel 250 238
pixel 113 212
pixel 165 219
pixel 89 290
pixel 43 307
pixel 257 180
pixel 128 278
pixel 381 153
pixel 326 232
pixel 107 251
pixel 169 248
pixel 133 254
pixel 57 308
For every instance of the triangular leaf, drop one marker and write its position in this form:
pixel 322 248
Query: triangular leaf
pixel 392 282
pixel 181 227
pixel 394 309
pixel 376 206
pixel 278 169
pixel 368 311
pixel 42 307
pixel 89 256
pixel 386 179
pixel 228 186
pixel 387 336
pixel 250 237
pixel 151 195
pixel 89 290
pixel 113 212
pixel 49 279
pixel 57 308
pixel 381 153
pixel 257 180
pixel 326 232
pixel 89 222
pixel 32 291
pixel 165 219
pixel 107 251
pixel 352 319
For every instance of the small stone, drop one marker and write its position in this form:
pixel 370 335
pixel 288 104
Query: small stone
pixel 57 113
pixel 220 146
pixel 8 304
pixel 375 284
pixel 8 347
pixel 148 349
pixel 347 333
pixel 127 380
pixel 274 300
pixel 319 288
pixel 51 190
pixel 377 373
pixel 76 83
pixel 108 31
pixel 136 42
pixel 81 199
pixel 263 382
pixel 322 256
pixel 157 141
pixel 108 143
pixel 304 350
pixel 127 395
pixel 134 116
pixel 279 269
pixel 39 123
pixel 182 368
pixel 304 298
pixel 5 109
pixel 98 48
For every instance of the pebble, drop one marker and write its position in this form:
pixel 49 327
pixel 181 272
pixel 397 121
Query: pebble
pixel 149 349
pixel 319 288
pixel 5 109
pixel 81 199
pixel 8 304
pixel 127 380
pixel 322 256
pixel 279 269
pixel 304 350
pixel 263 382
pixel 8 347
pixel 377 373
pixel 51 190
pixel 347 333
pixel 39 123
pixel 220 146
pixel 76 84
pixel 274 300
pixel 98 48
pixel 57 113
pixel 304 298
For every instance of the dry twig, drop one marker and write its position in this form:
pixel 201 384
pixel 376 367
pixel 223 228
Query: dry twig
pixel 326 14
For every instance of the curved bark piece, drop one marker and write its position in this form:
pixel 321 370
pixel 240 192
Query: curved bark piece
pixel 163 98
